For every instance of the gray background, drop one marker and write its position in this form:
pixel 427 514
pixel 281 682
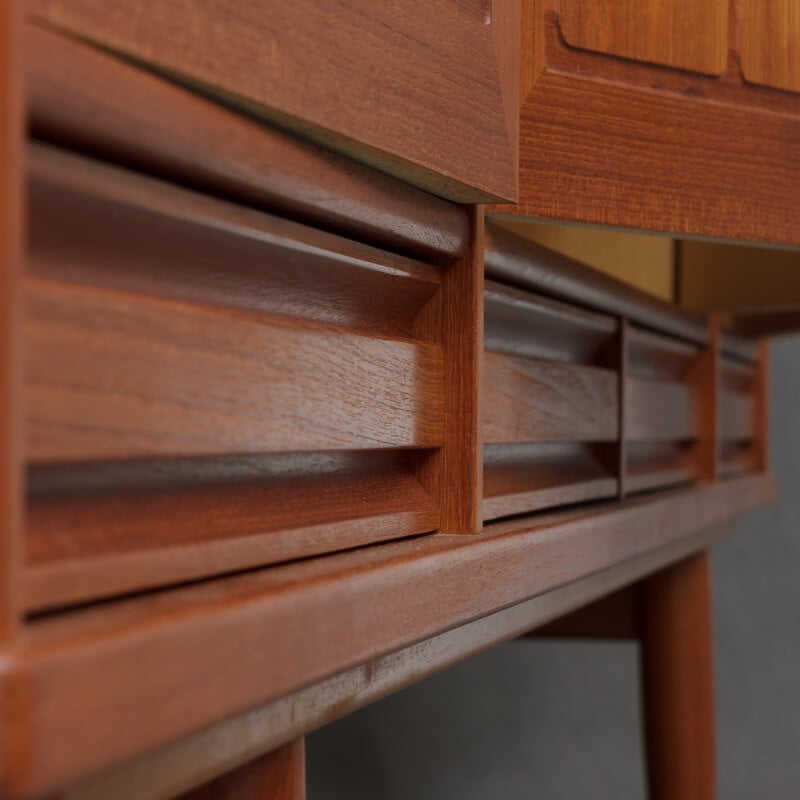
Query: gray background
pixel 561 719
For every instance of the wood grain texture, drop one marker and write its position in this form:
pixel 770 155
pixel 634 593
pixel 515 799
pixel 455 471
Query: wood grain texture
pixel 770 43
pixel 243 641
pixel 88 100
pixel 97 225
pixel 608 141
pixel 678 682
pixel 109 528
pixel 675 33
pixel 454 472
pixel 194 759
pixel 12 132
pixel 280 775
pixel 517 261
pixel 524 478
pixel 527 400
pixel 431 107
pixel 112 375
pixel 523 324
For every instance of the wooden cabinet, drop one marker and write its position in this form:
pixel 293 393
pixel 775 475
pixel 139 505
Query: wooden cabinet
pixel 652 115
pixel 278 426
pixel 426 91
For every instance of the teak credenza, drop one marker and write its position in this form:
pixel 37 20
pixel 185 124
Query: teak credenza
pixel 283 433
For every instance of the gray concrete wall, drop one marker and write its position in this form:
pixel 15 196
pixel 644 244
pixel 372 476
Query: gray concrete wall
pixel 556 720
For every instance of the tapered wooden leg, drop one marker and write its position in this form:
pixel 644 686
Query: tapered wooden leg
pixel 280 775
pixel 677 681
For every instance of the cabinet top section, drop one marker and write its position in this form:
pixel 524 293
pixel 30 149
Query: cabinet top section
pixel 662 115
pixel 424 91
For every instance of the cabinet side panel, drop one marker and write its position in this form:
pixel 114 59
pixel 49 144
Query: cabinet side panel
pixel 11 221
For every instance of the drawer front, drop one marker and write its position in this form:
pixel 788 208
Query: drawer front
pixel 550 403
pixel 208 387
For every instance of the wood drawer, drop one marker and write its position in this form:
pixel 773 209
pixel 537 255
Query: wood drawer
pixel 550 403
pixel 209 388
pixel 594 390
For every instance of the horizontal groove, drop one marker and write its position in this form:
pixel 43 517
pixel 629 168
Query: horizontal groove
pixel 656 357
pixel 528 400
pixel 94 224
pixel 524 478
pixel 517 261
pixel 519 323
pixel 224 634
pixel 101 529
pixel 112 376
pixel 88 100
pixel 659 465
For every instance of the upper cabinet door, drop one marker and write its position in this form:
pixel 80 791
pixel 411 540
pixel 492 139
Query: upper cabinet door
pixel 423 90
pixel 637 113
pixel 771 43
pixel 676 33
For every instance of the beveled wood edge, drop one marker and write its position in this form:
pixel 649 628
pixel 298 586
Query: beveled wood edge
pixel 200 638
pixel 86 99
pixel 193 760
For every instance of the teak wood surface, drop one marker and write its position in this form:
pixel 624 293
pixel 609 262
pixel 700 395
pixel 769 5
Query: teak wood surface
pixel 605 139
pixel 241 363
pixel 424 91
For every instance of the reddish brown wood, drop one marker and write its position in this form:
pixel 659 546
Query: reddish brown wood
pixel 705 375
pixel 280 775
pixel 607 140
pixel 615 616
pixel 190 761
pixel 528 400
pixel 91 101
pixel 675 33
pixel 98 225
pixel 454 472
pixel 658 465
pixel 524 324
pixel 678 683
pixel 653 356
pixel 517 261
pixel 206 652
pixel 11 241
pixel 420 91
pixel 527 477
pixel 115 375
pixel 105 529
pixel 770 43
